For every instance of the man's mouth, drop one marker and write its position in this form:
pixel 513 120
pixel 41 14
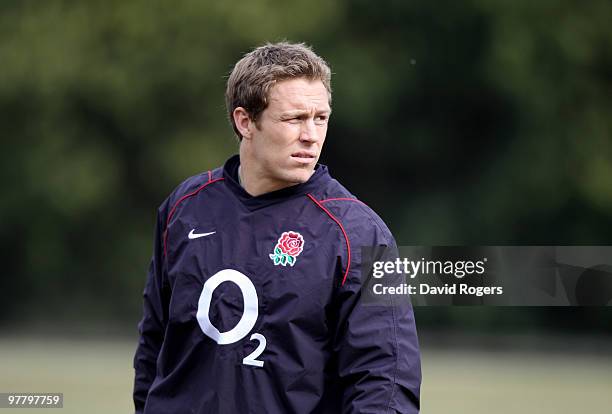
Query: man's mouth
pixel 304 155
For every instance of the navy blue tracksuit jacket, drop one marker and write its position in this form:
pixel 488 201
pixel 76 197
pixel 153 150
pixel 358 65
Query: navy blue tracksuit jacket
pixel 253 305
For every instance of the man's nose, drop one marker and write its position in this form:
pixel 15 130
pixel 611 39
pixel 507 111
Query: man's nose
pixel 309 131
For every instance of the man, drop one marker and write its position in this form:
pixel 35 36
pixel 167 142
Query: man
pixel 289 333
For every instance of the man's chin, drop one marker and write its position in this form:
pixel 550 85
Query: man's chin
pixel 298 178
pixel 303 175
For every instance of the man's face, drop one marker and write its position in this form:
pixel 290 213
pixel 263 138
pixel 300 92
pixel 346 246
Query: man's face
pixel 288 138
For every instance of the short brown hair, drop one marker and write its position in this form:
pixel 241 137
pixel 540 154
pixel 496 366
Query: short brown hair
pixel 254 75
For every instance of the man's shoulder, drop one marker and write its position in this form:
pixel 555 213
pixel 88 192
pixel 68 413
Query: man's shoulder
pixel 191 186
pixel 357 218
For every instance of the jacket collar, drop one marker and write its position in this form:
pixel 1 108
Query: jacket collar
pixel 230 173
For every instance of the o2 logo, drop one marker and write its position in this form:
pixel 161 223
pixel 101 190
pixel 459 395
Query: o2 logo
pixel 246 322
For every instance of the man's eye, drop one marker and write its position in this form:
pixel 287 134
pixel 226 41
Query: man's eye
pixel 321 119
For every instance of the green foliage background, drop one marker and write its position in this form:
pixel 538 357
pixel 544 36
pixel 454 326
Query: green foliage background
pixel 461 123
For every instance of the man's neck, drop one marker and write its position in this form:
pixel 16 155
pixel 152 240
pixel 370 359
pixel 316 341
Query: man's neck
pixel 256 183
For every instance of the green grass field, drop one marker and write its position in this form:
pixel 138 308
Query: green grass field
pixel 96 377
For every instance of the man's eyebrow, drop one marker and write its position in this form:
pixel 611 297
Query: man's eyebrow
pixel 294 112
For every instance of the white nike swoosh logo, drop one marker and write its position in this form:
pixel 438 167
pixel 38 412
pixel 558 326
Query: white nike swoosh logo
pixel 193 235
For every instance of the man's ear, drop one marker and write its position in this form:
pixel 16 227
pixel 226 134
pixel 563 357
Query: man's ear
pixel 243 122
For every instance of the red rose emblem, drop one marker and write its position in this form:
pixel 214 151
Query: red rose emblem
pixel 291 243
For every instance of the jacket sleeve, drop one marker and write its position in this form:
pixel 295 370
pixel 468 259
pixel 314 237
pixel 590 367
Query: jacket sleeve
pixel 376 342
pixel 154 320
